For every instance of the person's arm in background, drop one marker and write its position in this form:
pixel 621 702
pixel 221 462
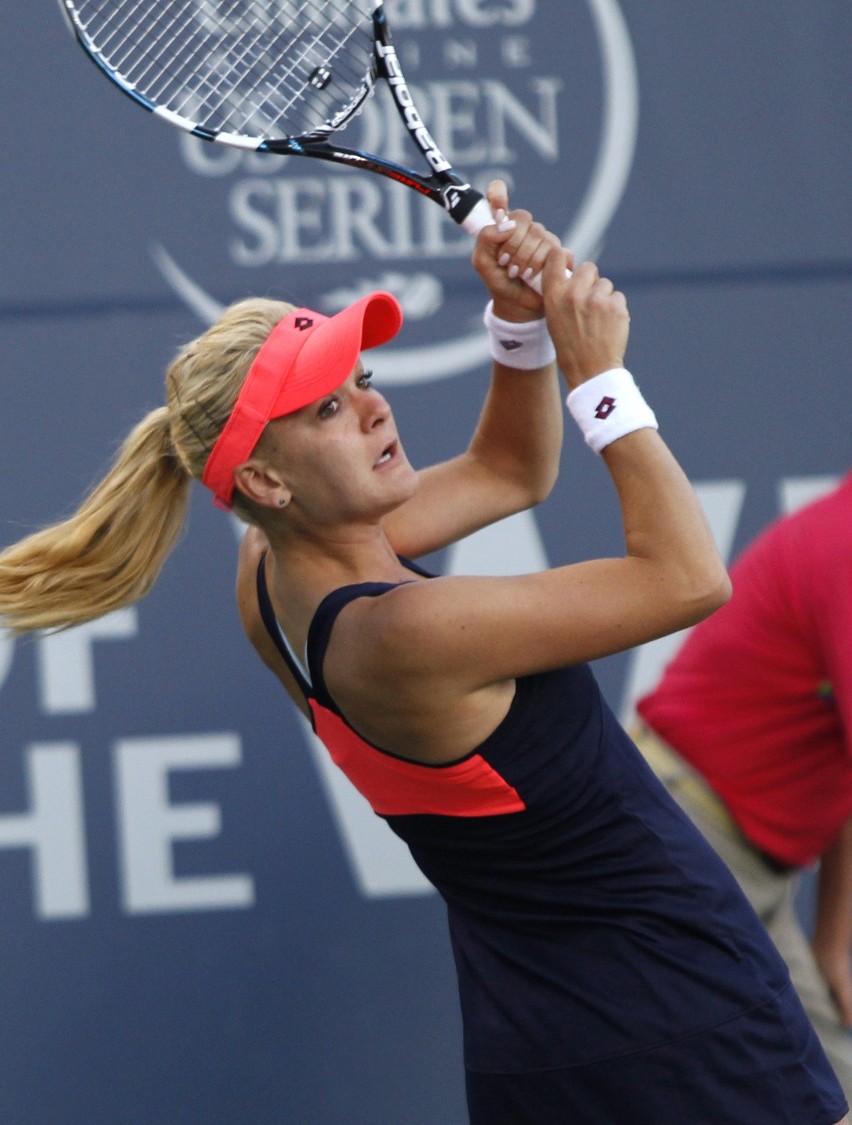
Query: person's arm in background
pixel 828 548
pixel 832 941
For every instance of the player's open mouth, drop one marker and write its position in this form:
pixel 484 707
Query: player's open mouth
pixel 387 455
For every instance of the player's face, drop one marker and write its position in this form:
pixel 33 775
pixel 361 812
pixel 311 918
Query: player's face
pixel 341 456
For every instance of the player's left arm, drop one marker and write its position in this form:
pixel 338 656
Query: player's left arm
pixel 512 461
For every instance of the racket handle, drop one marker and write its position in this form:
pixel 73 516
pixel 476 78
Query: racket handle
pixel 480 216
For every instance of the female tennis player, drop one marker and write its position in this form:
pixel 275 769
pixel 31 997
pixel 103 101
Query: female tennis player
pixel 609 968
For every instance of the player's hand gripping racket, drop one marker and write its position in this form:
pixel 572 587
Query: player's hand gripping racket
pixel 279 77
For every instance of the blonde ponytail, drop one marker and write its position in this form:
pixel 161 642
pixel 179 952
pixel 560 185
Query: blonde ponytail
pixel 110 552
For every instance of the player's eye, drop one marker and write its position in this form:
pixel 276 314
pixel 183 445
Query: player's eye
pixel 328 407
pixel 365 380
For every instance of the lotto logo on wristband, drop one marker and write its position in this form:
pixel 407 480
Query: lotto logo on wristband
pixel 524 347
pixel 597 423
pixel 605 407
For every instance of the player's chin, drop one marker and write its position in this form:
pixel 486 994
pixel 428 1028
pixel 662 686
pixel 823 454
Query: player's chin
pixel 398 482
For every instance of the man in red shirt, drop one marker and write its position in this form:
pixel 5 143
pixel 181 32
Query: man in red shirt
pixel 751 731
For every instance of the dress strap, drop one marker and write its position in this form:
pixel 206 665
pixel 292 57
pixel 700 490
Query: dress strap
pixel 322 624
pixel 319 632
pixel 310 679
pixel 276 633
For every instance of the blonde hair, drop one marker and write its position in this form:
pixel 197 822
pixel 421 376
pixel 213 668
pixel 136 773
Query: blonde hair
pixel 109 553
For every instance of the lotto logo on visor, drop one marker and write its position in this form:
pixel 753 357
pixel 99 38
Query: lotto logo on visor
pixel 305 356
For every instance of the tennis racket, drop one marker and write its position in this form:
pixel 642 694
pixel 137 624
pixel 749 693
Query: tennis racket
pixel 280 76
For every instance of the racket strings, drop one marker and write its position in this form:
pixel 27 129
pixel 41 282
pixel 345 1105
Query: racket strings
pixel 239 65
pixel 254 67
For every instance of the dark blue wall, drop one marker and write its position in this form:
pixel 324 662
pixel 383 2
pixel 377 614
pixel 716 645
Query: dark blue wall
pixel 200 923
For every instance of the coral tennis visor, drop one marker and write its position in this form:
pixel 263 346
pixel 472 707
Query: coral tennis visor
pixel 305 356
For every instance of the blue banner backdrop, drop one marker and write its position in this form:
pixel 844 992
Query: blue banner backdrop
pixel 200 922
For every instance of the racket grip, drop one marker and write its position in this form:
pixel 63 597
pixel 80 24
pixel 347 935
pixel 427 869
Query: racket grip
pixel 480 216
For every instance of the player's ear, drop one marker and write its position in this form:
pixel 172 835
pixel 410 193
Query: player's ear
pixel 262 484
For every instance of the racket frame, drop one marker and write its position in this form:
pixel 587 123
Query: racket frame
pixel 462 202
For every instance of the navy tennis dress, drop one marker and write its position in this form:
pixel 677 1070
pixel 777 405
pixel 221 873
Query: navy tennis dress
pixel 610 970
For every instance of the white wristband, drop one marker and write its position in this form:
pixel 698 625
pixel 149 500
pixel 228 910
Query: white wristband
pixel 608 407
pixel 525 347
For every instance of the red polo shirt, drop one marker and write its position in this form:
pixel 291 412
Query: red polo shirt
pixel 759 698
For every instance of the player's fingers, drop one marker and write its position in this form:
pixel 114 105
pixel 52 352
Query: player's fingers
pixel 490 240
pixel 604 286
pixel 553 274
pixel 523 220
pixel 620 300
pixel 534 253
pixel 584 278
pixel 497 195
pixel 524 255
pixel 514 230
